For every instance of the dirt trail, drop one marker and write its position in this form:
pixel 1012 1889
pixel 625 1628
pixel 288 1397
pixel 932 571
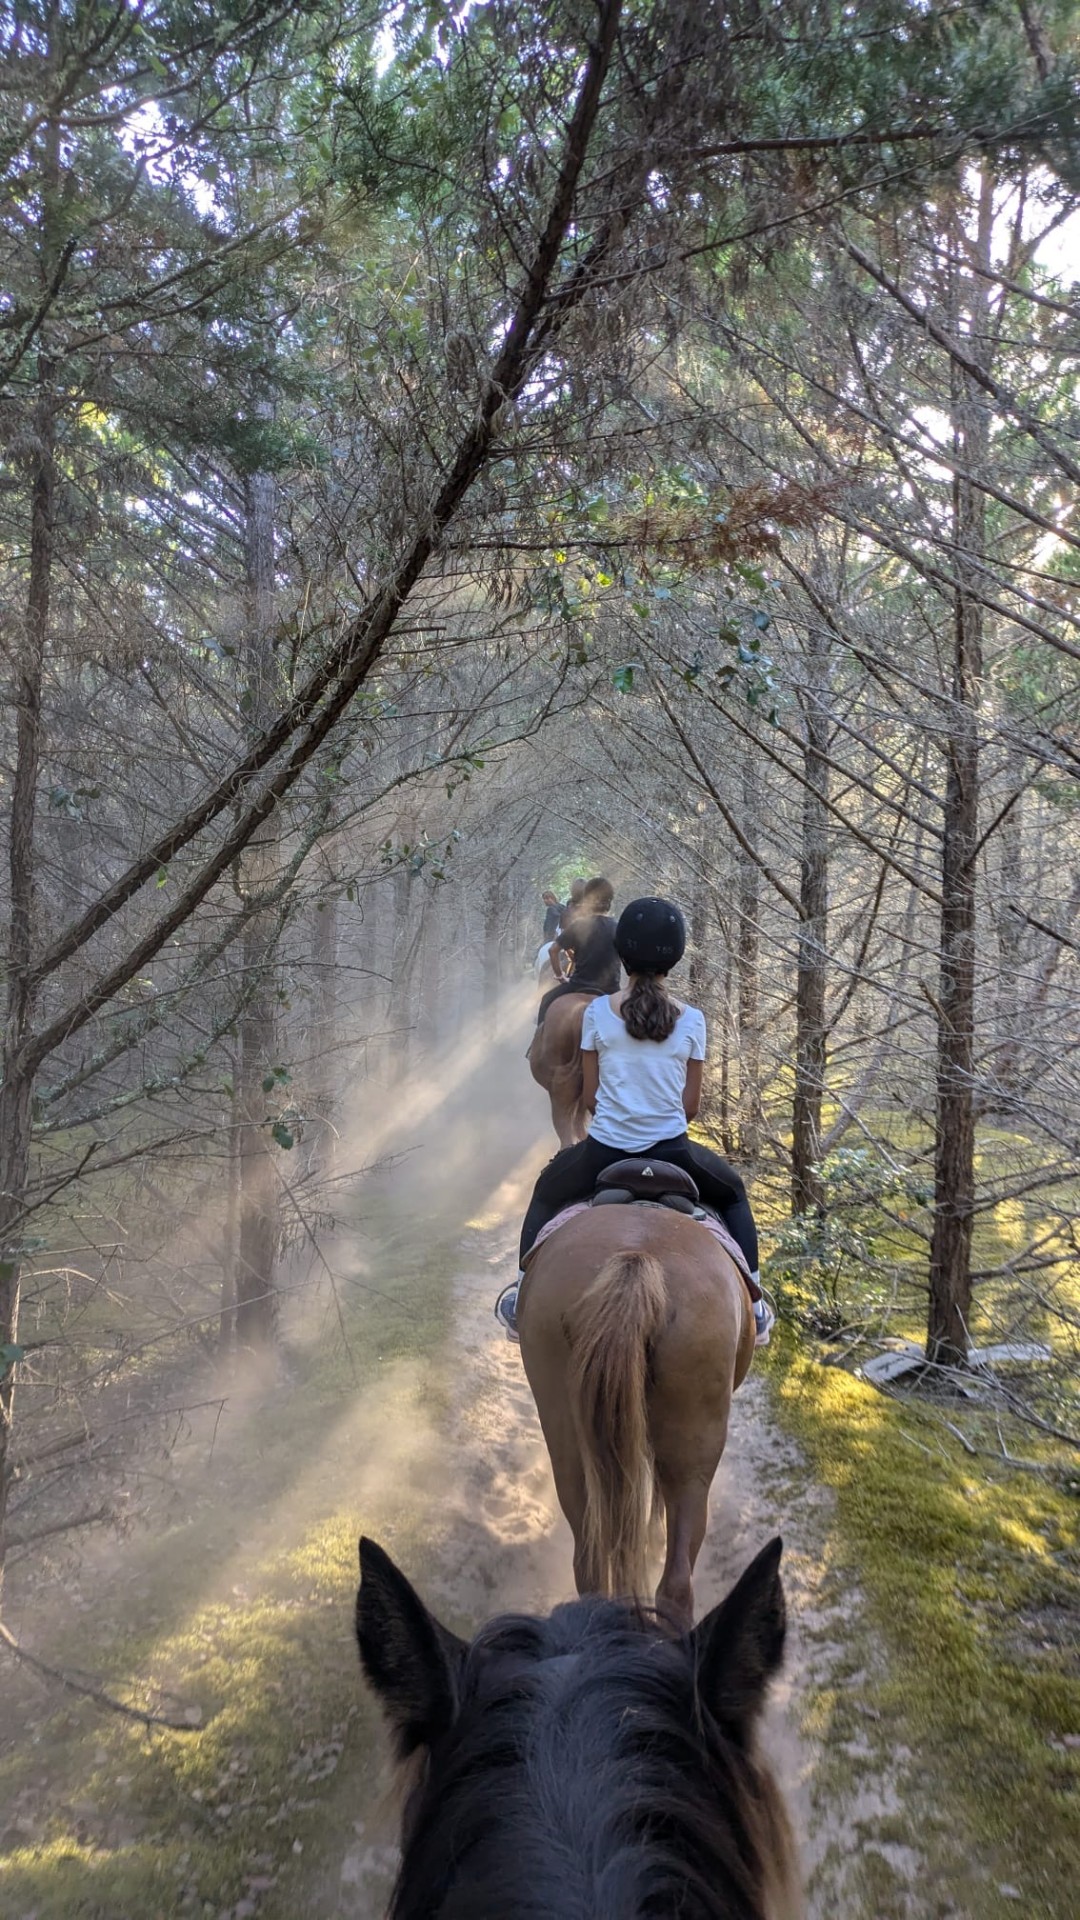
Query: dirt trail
pixel 496 1538
pixel 498 1541
pixel 506 1545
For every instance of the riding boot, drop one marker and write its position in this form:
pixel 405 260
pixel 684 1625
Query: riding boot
pixel 506 1307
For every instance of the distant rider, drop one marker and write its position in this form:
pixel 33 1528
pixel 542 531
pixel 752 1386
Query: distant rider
pixel 588 940
pixel 643 1057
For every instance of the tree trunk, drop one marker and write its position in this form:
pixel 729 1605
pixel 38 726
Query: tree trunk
pixel 947 1337
pixel 1011 1017
pixel 429 1024
pixel 747 964
pixel 701 979
pixel 492 970
pixel 16 1091
pixel 256 1302
pixel 320 1088
pixel 231 1236
pixel 727 1126
pixel 807 1192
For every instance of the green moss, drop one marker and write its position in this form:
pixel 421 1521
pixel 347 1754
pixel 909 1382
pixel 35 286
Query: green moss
pixel 969 1582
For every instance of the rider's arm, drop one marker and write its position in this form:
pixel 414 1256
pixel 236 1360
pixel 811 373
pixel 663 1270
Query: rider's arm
pixel 562 952
pixel 590 1077
pixel 691 1098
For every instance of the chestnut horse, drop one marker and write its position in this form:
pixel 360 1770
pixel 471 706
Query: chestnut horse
pixel 636 1328
pixel 586 1764
pixel 555 1064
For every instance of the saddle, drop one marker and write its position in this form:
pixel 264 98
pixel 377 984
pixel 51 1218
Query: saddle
pixel 657 1180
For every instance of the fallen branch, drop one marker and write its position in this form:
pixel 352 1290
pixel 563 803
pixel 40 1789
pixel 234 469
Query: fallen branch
pixel 17 1539
pixel 958 1434
pixel 96 1694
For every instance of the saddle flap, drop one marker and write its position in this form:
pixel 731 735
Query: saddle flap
pixel 648 1179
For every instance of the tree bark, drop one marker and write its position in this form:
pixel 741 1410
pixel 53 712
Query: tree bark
pixel 16 1088
pixel 807 1191
pixel 949 1318
pixel 231 1235
pixel 324 1082
pixel 256 1259
pixel 747 964
pixel 429 1017
pixel 257 1240
pixel 1010 1016
pixel 493 921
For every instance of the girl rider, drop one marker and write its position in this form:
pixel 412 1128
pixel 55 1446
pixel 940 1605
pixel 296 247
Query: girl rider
pixel 643 1056
pixel 588 938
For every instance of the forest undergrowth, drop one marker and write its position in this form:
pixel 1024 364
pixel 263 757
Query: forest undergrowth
pixel 959 1521
pixel 237 1613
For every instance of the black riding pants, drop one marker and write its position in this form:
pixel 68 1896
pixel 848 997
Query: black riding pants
pixel 573 1173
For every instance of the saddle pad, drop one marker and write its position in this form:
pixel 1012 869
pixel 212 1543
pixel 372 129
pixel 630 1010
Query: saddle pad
pixel 707 1220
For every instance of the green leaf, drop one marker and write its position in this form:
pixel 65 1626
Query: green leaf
pixel 269 1083
pixel 162 877
pixel 282 1135
pixel 622 678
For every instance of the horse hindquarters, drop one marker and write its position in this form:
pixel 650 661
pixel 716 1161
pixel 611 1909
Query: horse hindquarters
pixel 635 1330
pixel 615 1323
pixel 555 1065
pixel 568 1115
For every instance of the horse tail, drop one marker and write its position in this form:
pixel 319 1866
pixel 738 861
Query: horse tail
pixel 614 1325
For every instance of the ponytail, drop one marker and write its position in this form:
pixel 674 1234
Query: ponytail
pixel 647 1010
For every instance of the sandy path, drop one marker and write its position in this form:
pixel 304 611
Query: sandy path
pixel 503 1543
pixel 498 1541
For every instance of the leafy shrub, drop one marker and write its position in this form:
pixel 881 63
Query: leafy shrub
pixel 843 1265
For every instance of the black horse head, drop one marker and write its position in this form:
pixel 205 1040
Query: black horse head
pixel 587 1764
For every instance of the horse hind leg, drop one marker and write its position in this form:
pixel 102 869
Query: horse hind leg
pixel 569 1476
pixel 687 1509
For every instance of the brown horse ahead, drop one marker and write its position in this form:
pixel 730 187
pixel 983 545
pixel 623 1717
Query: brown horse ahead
pixel 555 1063
pixel 635 1331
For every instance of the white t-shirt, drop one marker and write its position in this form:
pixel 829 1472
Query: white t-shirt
pixel 640 1098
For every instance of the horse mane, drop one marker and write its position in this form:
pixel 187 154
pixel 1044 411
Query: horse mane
pixel 585 1777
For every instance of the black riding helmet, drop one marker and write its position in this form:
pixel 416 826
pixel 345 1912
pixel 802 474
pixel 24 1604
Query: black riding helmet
pixel 650 936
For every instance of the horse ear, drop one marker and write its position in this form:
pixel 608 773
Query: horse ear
pixel 739 1645
pixel 413 1663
